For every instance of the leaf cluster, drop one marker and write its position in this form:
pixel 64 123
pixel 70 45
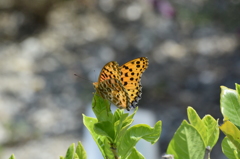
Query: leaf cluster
pixel 194 139
pixel 113 134
pixel 230 108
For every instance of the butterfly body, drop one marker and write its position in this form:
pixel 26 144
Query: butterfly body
pixel 122 85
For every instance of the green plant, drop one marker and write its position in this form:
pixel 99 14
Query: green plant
pixel 79 153
pixel 113 134
pixel 230 108
pixel 193 140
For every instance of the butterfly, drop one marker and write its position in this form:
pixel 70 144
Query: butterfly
pixel 121 85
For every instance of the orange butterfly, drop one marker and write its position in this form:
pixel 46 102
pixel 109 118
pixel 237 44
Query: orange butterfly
pixel 122 85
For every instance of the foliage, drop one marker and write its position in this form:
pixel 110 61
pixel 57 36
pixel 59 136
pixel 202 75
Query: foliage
pixel 12 157
pixel 79 153
pixel 230 108
pixel 113 134
pixel 194 139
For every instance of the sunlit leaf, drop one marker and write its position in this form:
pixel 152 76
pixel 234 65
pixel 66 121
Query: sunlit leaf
pixel 230 106
pixel 117 114
pixel 212 130
pixel 187 143
pixel 198 124
pixel 232 132
pixel 105 128
pixel 229 149
pixel 80 151
pixel 76 156
pixel 101 108
pixel 12 156
pixel 89 123
pixel 135 133
pixel 135 155
pixel 122 124
pixel 70 152
pixel 109 151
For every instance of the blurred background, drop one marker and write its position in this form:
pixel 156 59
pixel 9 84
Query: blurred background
pixel 192 47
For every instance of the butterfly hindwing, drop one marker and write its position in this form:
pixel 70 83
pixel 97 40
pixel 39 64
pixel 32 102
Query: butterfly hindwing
pixel 113 90
pixel 110 87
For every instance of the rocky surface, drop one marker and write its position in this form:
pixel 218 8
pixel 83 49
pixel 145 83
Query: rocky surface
pixel 192 51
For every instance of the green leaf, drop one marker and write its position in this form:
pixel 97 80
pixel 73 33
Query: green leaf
pixel 135 154
pixel 105 128
pixel 154 135
pixel 133 114
pixel 80 151
pixel 229 149
pixel 212 130
pixel 125 121
pixel 120 123
pixel 207 127
pixel 109 149
pixel 101 108
pixel 123 124
pixel 198 124
pixel 230 106
pixel 123 117
pixel 237 88
pixel 61 157
pixel 89 123
pixel 117 114
pixel 12 156
pixel 232 132
pixel 124 128
pixel 128 121
pixel 187 143
pixel 134 134
pixel 76 156
pixel 70 152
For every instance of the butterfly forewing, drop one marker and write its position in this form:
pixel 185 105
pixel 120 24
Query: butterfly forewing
pixel 131 73
pixel 109 71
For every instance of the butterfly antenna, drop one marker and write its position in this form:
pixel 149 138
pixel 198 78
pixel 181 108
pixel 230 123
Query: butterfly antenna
pixel 82 77
pixel 95 74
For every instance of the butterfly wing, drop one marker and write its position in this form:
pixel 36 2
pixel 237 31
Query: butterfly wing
pixel 131 73
pixel 113 90
pixel 109 86
pixel 109 71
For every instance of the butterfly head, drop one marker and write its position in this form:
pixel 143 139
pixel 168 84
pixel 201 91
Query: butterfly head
pixel 95 85
pixel 97 88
